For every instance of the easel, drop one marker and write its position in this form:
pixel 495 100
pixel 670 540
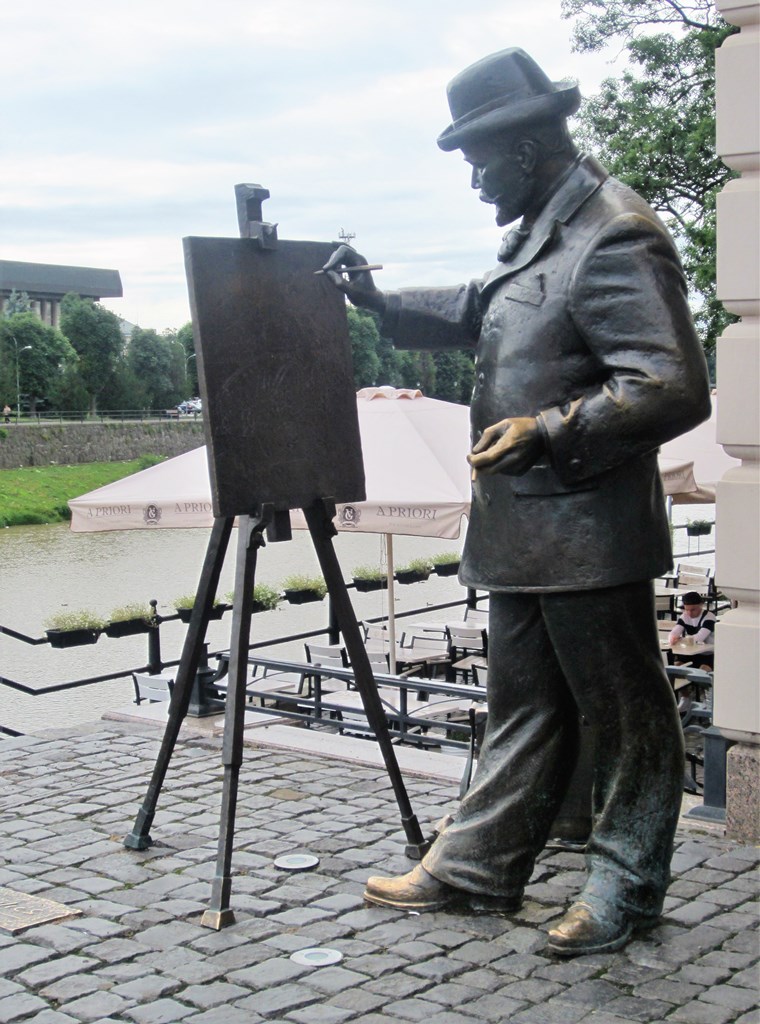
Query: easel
pixel 252 526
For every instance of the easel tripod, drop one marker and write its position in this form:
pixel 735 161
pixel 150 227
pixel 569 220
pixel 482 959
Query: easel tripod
pixel 251 529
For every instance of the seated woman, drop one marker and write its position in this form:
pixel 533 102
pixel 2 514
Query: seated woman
pixel 698 622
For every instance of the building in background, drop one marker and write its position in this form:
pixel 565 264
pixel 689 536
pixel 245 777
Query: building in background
pixel 47 283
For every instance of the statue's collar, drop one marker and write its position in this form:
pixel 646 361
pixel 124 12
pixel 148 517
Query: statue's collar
pixel 564 200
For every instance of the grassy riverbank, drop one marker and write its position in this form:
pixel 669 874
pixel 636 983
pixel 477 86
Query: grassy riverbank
pixel 38 494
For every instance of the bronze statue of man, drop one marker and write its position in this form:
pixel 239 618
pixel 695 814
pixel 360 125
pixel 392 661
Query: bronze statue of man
pixel 586 360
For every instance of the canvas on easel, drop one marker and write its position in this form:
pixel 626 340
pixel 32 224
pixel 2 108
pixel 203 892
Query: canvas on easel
pixel 275 374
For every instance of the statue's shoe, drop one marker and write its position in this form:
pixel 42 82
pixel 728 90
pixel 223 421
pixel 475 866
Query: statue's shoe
pixel 585 929
pixel 419 890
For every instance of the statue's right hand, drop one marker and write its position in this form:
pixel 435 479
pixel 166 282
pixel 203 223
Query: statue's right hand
pixel 360 287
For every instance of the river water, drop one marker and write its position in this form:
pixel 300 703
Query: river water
pixel 44 569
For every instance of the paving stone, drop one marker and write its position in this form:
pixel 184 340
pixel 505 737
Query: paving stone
pixel 161 1011
pixel 43 974
pixel 147 987
pixel 267 974
pixel 224 1015
pixel 320 1014
pixel 356 1000
pixel 279 999
pixel 532 990
pixel 20 1004
pixel 73 986
pixel 333 979
pixel 730 996
pixel 51 1017
pixel 698 1012
pixel 214 994
pixel 638 1009
pixel 98 1004
pixel 593 993
pixel 23 954
pixel 396 986
pixel 553 1012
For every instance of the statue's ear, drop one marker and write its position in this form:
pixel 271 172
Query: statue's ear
pixel 526 154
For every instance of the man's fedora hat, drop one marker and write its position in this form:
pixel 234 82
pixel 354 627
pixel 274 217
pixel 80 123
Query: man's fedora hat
pixel 502 91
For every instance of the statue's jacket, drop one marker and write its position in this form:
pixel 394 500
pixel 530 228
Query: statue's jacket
pixel 588 329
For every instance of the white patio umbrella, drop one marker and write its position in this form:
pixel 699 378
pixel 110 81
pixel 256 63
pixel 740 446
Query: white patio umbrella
pixel 692 464
pixel 417 480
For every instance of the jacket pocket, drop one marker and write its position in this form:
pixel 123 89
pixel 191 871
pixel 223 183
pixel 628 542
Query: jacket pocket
pixel 533 293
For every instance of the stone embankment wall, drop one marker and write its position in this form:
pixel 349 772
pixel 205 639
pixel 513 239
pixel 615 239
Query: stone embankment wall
pixel 45 444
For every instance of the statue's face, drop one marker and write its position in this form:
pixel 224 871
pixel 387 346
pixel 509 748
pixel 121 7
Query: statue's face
pixel 498 174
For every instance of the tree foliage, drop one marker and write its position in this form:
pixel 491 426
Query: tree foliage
pixel 95 334
pixel 157 366
pixel 40 354
pixel 445 375
pixel 654 127
pixel 17 302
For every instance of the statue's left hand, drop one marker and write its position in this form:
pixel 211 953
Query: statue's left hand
pixel 511 446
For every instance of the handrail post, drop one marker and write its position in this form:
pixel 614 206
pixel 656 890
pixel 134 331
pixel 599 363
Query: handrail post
pixel 154 642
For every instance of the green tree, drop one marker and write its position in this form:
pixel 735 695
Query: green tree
pixel 17 302
pixel 96 337
pixel 156 365
pixel 654 126
pixel 365 339
pixel 34 354
pixel 185 338
pixel 454 376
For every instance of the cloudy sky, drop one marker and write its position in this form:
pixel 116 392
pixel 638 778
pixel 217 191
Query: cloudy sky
pixel 126 125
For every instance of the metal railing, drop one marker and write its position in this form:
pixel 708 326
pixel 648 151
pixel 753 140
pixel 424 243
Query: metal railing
pixel 106 416
pixel 156 664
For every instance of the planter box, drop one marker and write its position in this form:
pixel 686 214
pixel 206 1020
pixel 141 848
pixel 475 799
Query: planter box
pixel 698 531
pixel 72 637
pixel 412 577
pixel 259 606
pixel 366 585
pixel 302 596
pixel 446 569
pixel 127 627
pixel 216 612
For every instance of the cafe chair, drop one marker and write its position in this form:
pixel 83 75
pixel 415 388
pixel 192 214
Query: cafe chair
pixel 153 688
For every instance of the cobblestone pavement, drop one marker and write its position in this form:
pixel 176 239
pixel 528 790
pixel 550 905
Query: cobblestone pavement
pixel 138 954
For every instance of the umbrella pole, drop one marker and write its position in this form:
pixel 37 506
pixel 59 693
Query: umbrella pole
pixel 391 606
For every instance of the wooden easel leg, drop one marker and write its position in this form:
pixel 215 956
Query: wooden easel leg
pixel 319 520
pixel 139 838
pixel 250 539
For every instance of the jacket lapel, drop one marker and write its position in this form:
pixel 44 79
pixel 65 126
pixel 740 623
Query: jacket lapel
pixel 583 181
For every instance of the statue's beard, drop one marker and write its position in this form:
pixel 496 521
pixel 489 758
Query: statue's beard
pixel 513 202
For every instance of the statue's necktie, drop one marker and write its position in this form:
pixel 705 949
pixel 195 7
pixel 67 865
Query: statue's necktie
pixel 511 243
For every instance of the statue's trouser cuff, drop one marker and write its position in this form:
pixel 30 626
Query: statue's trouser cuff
pixel 550 656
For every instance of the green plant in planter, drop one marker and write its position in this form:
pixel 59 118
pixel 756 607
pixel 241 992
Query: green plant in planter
pixel 82 619
pixel 130 620
pixel 310 588
pixel 369 577
pixel 416 569
pixel 264 597
pixel 71 629
pixel 132 611
pixel 446 563
pixel 186 602
pixel 698 527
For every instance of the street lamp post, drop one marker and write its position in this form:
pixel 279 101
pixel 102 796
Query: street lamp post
pixel 24 348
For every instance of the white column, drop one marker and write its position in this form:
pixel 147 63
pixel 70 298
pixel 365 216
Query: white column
pixel 737 566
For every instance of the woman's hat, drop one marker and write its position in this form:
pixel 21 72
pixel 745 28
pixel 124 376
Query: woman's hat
pixel 502 91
